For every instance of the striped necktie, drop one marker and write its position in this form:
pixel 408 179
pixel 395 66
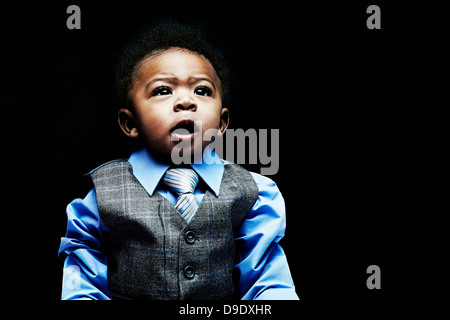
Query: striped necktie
pixel 183 181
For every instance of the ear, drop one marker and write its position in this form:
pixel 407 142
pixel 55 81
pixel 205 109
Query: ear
pixel 224 121
pixel 127 123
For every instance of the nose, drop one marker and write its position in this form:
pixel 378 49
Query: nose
pixel 185 102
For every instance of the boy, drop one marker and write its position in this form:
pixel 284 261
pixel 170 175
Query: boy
pixel 149 229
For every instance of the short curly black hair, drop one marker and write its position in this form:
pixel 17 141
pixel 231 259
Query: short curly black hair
pixel 163 35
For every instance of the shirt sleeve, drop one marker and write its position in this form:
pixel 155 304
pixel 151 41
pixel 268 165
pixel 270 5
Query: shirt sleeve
pixel 263 269
pixel 85 267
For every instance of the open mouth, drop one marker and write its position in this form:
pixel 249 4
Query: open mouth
pixel 185 129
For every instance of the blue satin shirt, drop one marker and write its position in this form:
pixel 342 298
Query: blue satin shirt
pixel 263 268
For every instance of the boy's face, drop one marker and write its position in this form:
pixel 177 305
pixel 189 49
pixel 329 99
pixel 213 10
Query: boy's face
pixel 174 89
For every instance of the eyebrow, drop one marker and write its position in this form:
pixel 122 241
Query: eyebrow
pixel 166 79
pixel 198 79
pixel 173 79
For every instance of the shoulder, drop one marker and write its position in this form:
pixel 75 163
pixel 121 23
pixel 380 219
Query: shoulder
pixel 110 166
pixel 105 172
pixel 266 189
pixel 268 212
pixel 237 173
pixel 263 181
pixel 270 200
pixel 239 180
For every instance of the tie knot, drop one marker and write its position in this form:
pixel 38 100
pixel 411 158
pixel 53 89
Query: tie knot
pixel 181 180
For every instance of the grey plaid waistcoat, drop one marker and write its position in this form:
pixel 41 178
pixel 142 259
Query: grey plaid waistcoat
pixel 153 253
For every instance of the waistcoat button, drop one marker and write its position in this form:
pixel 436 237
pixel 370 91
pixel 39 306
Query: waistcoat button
pixel 189 272
pixel 190 237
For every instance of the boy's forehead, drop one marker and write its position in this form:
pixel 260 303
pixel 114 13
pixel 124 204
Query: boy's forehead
pixel 180 64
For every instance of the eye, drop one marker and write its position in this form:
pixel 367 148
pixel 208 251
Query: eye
pixel 203 91
pixel 162 91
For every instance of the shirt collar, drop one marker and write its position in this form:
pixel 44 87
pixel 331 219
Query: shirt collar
pixel 149 171
pixel 210 170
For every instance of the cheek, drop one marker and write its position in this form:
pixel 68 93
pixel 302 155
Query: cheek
pixel 210 116
pixel 152 124
pixel 210 122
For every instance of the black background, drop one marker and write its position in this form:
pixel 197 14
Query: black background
pixel 347 101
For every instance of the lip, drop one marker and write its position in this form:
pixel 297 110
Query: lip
pixel 184 130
